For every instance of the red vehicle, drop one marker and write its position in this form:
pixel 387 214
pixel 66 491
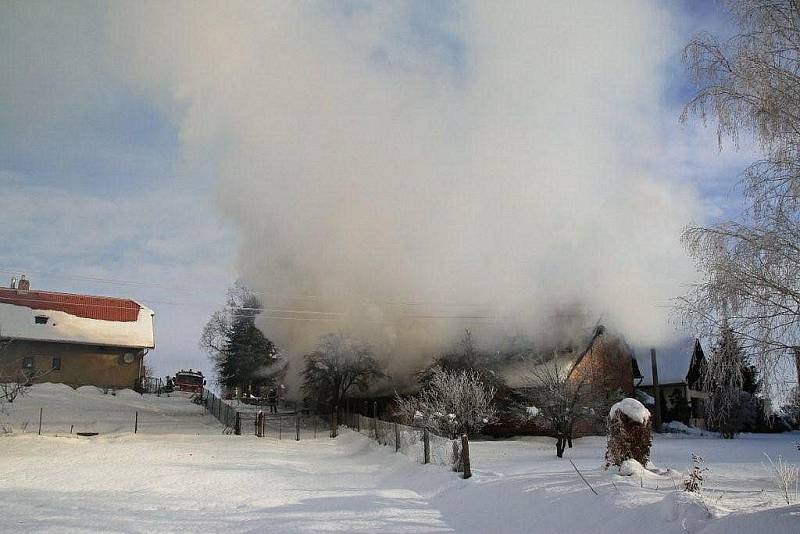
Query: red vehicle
pixel 192 381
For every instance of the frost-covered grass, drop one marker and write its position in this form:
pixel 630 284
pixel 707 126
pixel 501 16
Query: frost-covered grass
pixel 184 475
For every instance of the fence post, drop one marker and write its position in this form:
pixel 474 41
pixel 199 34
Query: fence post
pixel 358 422
pixel 333 423
pixel 237 428
pixel 396 437
pixel 315 426
pixel 297 423
pixel 280 427
pixel 426 447
pixel 375 419
pixel 40 420
pixel 465 456
pixel 136 423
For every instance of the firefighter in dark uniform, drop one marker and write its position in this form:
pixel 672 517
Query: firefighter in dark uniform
pixel 272 400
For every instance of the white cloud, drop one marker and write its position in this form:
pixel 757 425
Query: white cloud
pixel 164 248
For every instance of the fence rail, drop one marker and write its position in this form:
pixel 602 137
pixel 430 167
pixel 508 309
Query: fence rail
pixel 417 443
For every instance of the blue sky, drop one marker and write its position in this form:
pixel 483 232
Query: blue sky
pixel 99 198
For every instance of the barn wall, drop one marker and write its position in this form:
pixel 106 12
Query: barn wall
pixel 608 371
pixel 81 365
pixel 606 366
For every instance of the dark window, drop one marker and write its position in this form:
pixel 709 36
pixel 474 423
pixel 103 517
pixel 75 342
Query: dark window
pixel 27 363
pixel 56 363
pixel 41 319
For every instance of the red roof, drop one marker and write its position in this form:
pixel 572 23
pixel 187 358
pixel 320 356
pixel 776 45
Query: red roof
pixel 90 307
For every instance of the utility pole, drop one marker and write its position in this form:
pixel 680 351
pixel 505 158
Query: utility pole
pixel 656 390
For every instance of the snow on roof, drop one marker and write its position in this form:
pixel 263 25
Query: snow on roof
pixel 673 362
pixel 88 306
pixel 68 318
pixel 531 368
pixel 634 409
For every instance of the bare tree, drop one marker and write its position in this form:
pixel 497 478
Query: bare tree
pixel 750 84
pixel 14 382
pixel 560 399
pixel 241 302
pixel 338 365
pixel 452 403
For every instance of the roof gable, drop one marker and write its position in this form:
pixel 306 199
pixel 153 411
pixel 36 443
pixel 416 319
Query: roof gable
pixel 674 362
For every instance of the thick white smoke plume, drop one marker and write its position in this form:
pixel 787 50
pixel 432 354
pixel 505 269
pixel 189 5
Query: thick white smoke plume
pixel 404 170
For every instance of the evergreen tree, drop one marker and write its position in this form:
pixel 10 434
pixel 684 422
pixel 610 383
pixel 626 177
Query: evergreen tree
pixel 731 383
pixel 247 357
pixel 243 356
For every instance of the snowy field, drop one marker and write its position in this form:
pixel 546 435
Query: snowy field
pixel 179 473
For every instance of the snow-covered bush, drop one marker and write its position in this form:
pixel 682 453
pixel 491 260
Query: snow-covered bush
pixel 631 467
pixel 695 478
pixel 452 403
pixel 629 433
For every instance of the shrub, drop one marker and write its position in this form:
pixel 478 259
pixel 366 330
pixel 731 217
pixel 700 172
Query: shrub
pixel 629 433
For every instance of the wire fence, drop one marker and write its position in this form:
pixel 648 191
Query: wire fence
pixel 289 423
pixel 417 443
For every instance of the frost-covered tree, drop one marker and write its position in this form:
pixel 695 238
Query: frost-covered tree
pixel 560 399
pixel 337 366
pixel 450 404
pixel 729 407
pixel 749 84
pixel 791 409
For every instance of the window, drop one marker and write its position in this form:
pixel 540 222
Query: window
pixel 41 319
pixel 56 363
pixel 27 362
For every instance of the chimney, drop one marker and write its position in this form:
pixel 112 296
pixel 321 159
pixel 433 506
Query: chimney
pixel 24 283
pixel 13 282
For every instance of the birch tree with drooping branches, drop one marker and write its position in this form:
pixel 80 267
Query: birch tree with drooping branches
pixel 749 86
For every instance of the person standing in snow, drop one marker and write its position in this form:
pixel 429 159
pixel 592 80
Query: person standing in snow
pixel 272 400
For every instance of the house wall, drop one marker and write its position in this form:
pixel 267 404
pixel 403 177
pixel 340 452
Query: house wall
pixel 606 367
pixel 608 371
pixel 81 365
pixel 695 398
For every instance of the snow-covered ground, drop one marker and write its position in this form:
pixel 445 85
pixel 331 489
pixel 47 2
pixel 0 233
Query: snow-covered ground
pixel 181 474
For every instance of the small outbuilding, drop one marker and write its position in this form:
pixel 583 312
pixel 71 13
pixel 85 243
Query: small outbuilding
pixel 680 369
